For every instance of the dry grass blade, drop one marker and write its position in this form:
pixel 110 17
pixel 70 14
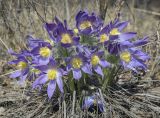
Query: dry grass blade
pixel 73 104
pixel 4 44
pixel 36 110
pixel 64 107
pixel 148 12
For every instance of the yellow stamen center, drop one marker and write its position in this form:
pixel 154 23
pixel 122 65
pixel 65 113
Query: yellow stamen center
pixel 95 60
pixel 85 24
pixel 22 65
pixel 103 38
pixel 76 62
pixel 125 56
pixel 45 52
pixel 75 31
pixel 52 74
pixel 66 38
pixel 114 31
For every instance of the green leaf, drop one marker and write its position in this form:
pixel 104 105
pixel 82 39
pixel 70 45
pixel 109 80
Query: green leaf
pixel 71 82
pixel 112 59
pixel 109 77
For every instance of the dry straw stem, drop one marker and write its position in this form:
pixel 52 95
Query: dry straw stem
pixel 67 11
pixel 147 11
pixel 64 107
pixel 5 45
pixel 73 104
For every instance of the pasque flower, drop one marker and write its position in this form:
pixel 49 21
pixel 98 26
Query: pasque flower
pixel 22 65
pixel 88 24
pixel 66 36
pixel 133 58
pixel 91 103
pixel 41 53
pixel 76 64
pixel 113 32
pixel 51 74
pixel 113 37
pixel 96 61
pixel 33 42
pixel 51 28
pixel 69 55
pixel 59 32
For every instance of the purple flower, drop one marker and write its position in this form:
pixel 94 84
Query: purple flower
pixel 140 42
pixel 66 37
pixel 52 27
pixel 33 42
pixel 52 30
pixel 23 53
pixel 88 24
pixel 91 103
pixel 76 64
pixel 115 48
pixel 51 74
pixel 116 28
pixel 42 53
pixel 113 37
pixel 113 32
pixel 59 32
pixel 97 62
pixel 133 59
pixel 22 66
